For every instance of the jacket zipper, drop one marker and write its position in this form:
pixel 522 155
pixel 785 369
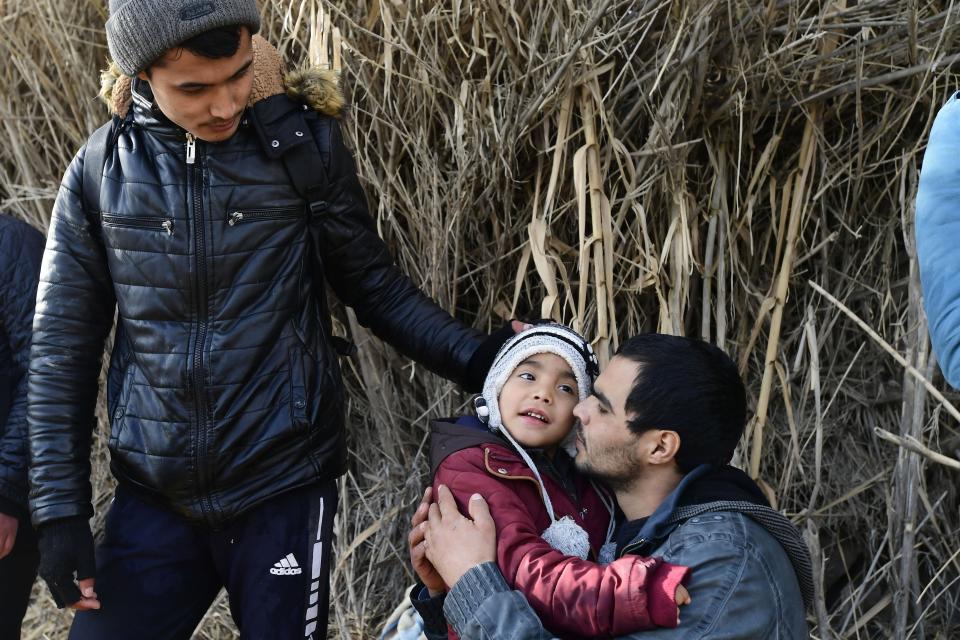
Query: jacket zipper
pixel 251 215
pixel 138 223
pixel 194 189
pixel 636 545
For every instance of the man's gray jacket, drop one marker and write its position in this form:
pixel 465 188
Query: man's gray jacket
pixel 750 575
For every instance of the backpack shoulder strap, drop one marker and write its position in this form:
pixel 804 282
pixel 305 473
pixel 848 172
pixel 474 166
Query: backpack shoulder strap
pixel 98 146
pixel 304 165
pixel 285 135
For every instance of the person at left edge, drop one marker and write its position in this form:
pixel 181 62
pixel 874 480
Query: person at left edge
pixel 21 247
pixel 224 390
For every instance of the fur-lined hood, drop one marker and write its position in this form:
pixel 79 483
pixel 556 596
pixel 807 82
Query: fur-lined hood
pixel 318 88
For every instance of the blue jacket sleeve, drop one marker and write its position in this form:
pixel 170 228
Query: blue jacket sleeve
pixel 937 234
pixel 481 606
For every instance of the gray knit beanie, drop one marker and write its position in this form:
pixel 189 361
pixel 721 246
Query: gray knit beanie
pixel 140 31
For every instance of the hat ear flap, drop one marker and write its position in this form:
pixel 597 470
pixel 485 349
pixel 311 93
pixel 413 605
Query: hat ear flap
pixel 483 411
pixel 593 363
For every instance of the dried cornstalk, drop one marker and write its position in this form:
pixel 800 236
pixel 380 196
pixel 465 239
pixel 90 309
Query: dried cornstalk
pixel 625 166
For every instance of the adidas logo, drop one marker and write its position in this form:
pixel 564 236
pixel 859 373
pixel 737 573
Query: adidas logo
pixel 286 567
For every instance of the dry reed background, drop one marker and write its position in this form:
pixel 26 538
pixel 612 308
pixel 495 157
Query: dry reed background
pixel 740 171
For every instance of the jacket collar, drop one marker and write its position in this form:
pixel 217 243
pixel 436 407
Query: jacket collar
pixel 145 112
pixel 729 489
pixel 704 484
pixel 659 524
pixel 317 88
pixel 449 435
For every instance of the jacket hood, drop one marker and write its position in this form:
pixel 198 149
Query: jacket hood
pixel 315 87
pixel 709 489
pixel 705 484
pixel 449 435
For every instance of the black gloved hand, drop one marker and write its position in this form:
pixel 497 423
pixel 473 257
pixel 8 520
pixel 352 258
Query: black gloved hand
pixel 66 548
pixel 483 357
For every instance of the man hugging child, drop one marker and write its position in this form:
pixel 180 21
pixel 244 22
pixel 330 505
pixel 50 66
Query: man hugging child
pixel 517 454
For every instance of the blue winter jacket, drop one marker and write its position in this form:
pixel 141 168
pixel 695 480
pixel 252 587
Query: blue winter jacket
pixel 750 577
pixel 938 233
pixel 21 247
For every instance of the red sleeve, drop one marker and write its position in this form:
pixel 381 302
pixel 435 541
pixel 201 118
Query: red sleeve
pixel 571 596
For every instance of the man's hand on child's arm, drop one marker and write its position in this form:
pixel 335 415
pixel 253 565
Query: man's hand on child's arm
pixel 416 544
pixel 682 597
pixel 454 543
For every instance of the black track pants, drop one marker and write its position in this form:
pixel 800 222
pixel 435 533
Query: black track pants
pixel 18 570
pixel 157 574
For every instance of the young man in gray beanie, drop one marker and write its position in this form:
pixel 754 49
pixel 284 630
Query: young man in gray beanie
pixel 224 390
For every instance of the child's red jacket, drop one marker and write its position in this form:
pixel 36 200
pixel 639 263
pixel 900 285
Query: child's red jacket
pixel 573 597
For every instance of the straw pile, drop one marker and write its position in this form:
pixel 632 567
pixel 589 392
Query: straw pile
pixel 740 171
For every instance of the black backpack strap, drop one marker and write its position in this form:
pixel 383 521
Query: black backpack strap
pixel 285 135
pixel 308 175
pixel 98 146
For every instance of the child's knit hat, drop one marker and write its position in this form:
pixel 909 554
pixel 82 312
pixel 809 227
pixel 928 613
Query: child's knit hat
pixel 564 534
pixel 543 338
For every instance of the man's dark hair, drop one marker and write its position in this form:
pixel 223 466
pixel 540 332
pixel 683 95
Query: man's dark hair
pixel 221 42
pixel 688 386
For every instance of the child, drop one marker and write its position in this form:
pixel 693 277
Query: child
pixel 549 518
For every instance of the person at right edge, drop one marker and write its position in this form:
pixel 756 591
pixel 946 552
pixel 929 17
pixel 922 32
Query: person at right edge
pixel 937 233
pixel 224 390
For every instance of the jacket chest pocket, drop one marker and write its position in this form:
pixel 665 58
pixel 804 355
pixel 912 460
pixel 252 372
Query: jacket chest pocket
pixel 150 236
pixel 159 225
pixel 268 232
pixel 247 215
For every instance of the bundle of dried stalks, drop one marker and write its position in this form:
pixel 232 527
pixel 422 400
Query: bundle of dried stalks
pixel 740 171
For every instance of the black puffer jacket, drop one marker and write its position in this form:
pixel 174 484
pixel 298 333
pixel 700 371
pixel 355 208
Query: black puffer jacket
pixel 21 247
pixel 223 388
